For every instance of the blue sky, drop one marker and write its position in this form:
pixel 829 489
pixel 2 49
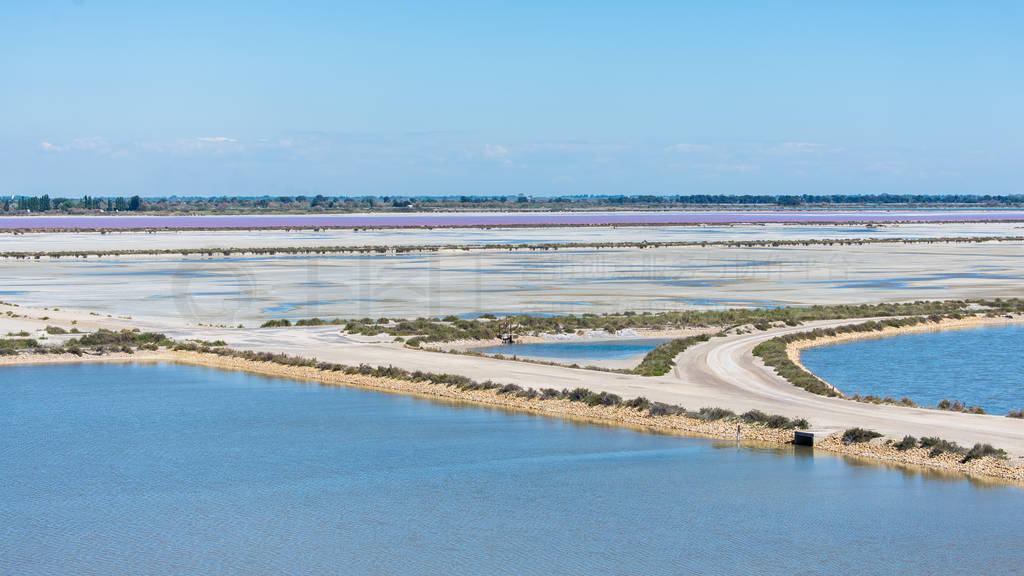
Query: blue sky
pixel 541 98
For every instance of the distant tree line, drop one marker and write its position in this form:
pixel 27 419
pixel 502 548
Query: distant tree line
pixel 44 203
pixel 321 203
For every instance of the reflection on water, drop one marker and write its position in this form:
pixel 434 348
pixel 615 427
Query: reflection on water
pixel 979 366
pixel 161 468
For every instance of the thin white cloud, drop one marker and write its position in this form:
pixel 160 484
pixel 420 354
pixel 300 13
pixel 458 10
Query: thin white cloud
pixel 806 148
pixel 802 145
pixel 495 151
pixel 571 146
pixel 94 143
pixel 217 139
pixel 51 147
pixel 722 167
pixel 686 147
pixel 895 168
pixel 90 144
pixel 188 146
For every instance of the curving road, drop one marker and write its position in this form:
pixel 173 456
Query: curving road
pixel 730 364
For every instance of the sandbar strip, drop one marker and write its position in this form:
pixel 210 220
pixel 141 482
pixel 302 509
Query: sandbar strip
pixel 561 408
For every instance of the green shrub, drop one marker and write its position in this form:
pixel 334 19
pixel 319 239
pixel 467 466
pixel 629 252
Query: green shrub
pixel 509 389
pixel 640 403
pixel 282 323
pixel 773 420
pixel 18 343
pixel 907 443
pixel 959 406
pixel 773 353
pixel 576 394
pixel 662 358
pixel 602 399
pixel 937 446
pixel 983 450
pixel 315 322
pixel 662 409
pixel 715 413
pixel 859 435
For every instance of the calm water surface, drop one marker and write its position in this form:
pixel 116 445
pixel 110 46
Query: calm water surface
pixel 156 469
pixel 980 366
pixel 579 350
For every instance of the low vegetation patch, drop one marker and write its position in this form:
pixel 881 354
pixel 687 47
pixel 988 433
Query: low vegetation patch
pixel 486 327
pixel 858 436
pixel 713 413
pixel 774 420
pixel 773 353
pixel 937 446
pixel 660 361
pixel 871 399
pixel 984 450
pixel 12 346
pixel 98 342
pixel 907 443
pixel 959 406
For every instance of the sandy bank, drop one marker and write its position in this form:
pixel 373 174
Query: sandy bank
pixel 42 359
pixel 617 415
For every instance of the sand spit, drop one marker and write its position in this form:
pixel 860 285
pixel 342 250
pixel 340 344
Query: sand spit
pixel 595 337
pixel 794 349
pixel 618 415
pixel 237 240
pixel 110 357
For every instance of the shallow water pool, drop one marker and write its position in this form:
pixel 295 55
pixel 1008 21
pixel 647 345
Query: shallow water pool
pixel 980 366
pixel 579 349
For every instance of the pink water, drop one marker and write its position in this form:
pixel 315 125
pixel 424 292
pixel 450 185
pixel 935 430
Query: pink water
pixel 499 219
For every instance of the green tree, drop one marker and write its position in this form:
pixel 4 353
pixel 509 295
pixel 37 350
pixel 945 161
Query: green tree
pixel 135 204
